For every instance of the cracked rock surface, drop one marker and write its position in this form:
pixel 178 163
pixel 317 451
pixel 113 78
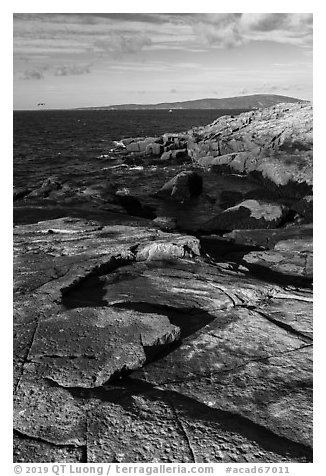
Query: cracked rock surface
pixel 85 347
pixel 131 346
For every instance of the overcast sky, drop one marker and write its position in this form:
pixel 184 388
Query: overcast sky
pixel 76 60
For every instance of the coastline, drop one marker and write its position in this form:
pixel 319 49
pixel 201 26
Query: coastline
pixel 194 341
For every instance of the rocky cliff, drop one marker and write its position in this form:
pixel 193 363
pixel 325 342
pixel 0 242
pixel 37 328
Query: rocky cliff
pixel 274 144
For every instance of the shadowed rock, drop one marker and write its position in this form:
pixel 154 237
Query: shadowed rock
pixel 185 185
pixel 247 214
pixel 304 208
pixel 289 257
pixel 268 238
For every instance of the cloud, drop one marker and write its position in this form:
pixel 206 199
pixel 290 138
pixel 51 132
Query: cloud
pixel 155 18
pixel 218 29
pixel 173 91
pixel 114 34
pixel 227 36
pixel 291 28
pixel 264 21
pixel 235 29
pixel 72 69
pixel 61 70
pixel 276 21
pixel 269 87
pixel 78 33
pixel 122 43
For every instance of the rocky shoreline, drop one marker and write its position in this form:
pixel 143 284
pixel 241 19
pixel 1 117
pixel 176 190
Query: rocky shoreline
pixel 163 303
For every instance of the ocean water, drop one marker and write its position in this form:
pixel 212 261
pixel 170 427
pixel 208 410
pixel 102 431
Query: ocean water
pixel 60 142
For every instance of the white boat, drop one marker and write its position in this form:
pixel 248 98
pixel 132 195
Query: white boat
pixel 170 110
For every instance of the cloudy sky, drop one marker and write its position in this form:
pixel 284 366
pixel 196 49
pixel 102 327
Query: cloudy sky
pixel 75 60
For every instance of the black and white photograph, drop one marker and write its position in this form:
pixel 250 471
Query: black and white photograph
pixel 163 239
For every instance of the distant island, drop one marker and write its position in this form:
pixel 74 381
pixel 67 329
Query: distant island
pixel 253 101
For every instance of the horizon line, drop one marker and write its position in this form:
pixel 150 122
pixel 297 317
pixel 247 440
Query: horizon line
pixel 158 103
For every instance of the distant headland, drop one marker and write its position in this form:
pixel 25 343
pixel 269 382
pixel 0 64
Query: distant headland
pixel 253 101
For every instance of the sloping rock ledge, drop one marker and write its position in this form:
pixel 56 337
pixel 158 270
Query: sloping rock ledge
pixel 131 347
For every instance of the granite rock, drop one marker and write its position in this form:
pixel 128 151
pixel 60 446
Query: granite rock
pixel 273 144
pixel 247 214
pixel 184 186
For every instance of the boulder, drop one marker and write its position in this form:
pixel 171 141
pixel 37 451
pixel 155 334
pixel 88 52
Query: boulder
pixel 174 137
pixel 129 140
pixel 269 238
pixel 166 155
pixel 158 251
pixel 49 185
pixel 247 214
pixel 154 149
pixel 140 146
pixel 291 258
pixel 166 223
pixel 133 147
pixel 184 186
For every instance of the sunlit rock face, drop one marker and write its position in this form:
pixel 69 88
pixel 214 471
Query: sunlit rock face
pixel 274 144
